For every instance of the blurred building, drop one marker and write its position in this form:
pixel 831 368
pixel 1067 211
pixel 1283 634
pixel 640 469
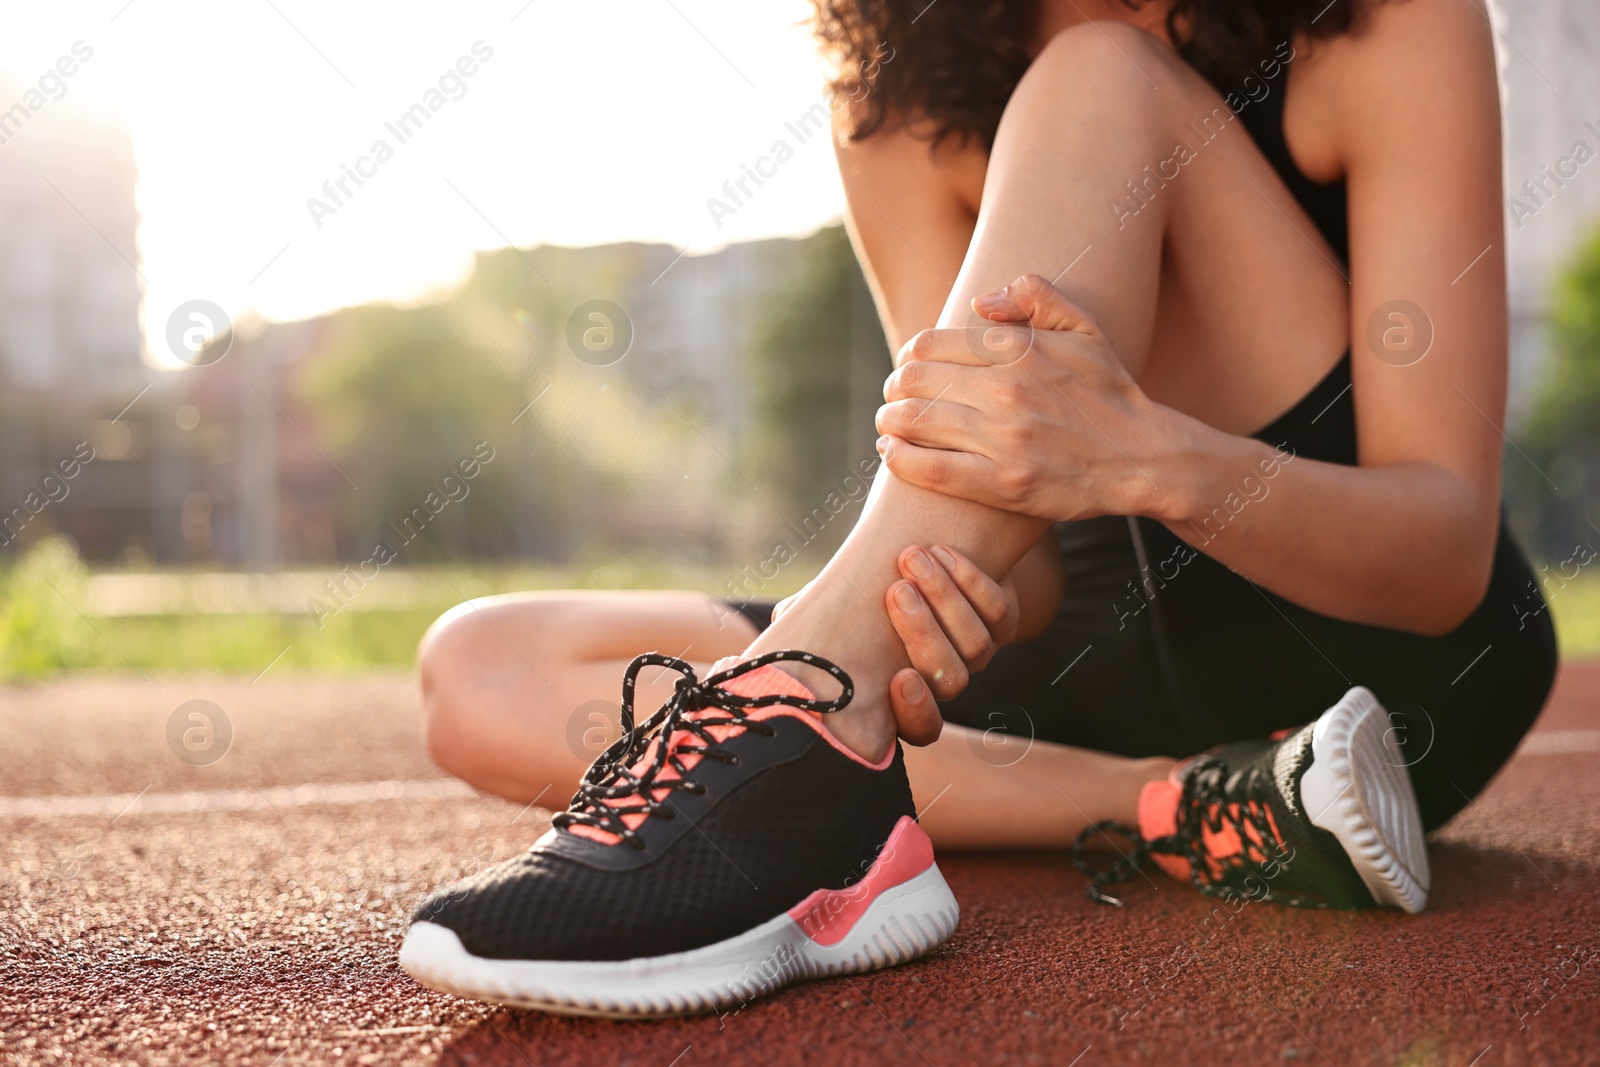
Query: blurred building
pixel 230 463
pixel 695 318
pixel 227 464
pixel 69 284
pixel 69 312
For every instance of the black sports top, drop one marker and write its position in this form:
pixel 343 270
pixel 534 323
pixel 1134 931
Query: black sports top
pixel 1324 202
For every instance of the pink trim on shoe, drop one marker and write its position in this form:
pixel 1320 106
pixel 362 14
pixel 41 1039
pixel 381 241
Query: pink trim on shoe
pixel 769 679
pixel 763 681
pixel 1158 817
pixel 828 915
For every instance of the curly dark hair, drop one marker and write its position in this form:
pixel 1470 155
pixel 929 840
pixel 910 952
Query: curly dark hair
pixel 951 66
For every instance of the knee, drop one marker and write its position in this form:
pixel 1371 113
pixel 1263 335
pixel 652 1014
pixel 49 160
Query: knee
pixel 456 656
pixel 1100 64
pixel 444 662
pixel 446 651
pixel 1101 48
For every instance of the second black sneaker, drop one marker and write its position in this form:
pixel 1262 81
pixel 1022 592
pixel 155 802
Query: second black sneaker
pixel 721 849
pixel 1323 816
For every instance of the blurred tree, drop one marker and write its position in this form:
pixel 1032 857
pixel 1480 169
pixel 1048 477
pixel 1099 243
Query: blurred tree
pixel 1563 434
pixel 819 364
pixel 529 293
pixel 1569 402
pixel 401 396
pixel 40 629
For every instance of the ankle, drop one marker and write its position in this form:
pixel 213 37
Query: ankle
pixel 1151 769
pixel 869 732
pixel 837 631
pixel 1143 779
pixel 866 726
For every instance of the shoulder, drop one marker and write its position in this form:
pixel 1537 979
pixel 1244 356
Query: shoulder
pixel 1418 68
pixel 901 159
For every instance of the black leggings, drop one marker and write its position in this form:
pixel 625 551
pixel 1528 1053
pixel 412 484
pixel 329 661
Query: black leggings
pixel 1211 657
pixel 1211 668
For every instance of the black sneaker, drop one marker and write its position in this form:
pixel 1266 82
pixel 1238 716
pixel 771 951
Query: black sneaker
pixel 722 849
pixel 1323 817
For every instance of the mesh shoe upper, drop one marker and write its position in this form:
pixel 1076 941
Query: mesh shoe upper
pixel 788 814
pixel 1233 821
pixel 1243 828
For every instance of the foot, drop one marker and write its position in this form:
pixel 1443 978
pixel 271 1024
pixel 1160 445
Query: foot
pixel 723 848
pixel 1323 817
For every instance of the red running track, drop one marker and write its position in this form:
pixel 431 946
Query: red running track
pixel 260 928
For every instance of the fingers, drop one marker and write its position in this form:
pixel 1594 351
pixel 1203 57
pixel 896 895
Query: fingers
pixel 951 618
pixel 934 424
pixel 919 380
pixel 942 390
pixel 915 711
pixel 959 474
pixel 994 602
pixel 950 347
pixel 1033 299
pixel 931 653
pixel 964 628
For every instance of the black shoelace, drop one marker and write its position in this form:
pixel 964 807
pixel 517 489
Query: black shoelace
pixel 1213 796
pixel 611 777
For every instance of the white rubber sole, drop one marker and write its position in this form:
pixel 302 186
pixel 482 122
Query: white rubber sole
pixel 906 921
pixel 1358 789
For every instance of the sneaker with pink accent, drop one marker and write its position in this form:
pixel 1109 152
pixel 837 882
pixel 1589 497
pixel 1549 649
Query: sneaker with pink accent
pixel 723 848
pixel 1323 817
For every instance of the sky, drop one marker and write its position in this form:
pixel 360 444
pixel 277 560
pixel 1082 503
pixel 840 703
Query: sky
pixel 580 123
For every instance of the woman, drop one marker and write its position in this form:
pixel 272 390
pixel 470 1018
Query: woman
pixel 1191 453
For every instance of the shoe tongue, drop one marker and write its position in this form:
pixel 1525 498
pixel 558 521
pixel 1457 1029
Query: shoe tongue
pixel 761 682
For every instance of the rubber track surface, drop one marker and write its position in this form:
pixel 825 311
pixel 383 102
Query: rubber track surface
pixel 267 936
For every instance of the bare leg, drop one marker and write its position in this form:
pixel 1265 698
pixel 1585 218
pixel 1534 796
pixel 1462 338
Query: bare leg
pixel 1100 106
pixel 521 695
pixel 1250 315
pixel 521 690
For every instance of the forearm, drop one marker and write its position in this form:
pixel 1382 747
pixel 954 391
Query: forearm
pixel 1406 546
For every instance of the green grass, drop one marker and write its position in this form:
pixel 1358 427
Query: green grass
pixel 48 623
pixel 354 640
pixel 1577 614
pixel 249 643
pixel 42 631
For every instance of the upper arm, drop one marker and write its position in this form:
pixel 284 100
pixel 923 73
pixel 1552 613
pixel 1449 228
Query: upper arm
pixel 1416 128
pixel 909 222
